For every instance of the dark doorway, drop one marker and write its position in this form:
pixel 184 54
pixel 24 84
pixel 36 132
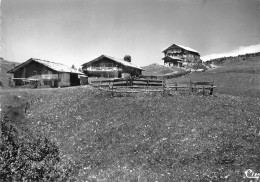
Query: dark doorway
pixel 74 80
pixel 119 74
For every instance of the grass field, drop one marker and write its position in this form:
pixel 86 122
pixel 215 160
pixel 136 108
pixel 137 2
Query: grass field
pixel 150 137
pixel 160 70
pixel 235 77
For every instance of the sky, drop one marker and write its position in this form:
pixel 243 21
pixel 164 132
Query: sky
pixel 77 31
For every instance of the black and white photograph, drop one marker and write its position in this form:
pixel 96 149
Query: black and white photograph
pixel 129 90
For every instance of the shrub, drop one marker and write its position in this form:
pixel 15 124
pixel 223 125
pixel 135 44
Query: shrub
pixel 27 158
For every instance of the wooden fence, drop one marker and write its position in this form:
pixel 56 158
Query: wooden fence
pixel 24 81
pixel 151 85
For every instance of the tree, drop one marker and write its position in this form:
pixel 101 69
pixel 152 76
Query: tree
pixel 127 58
pixel 73 67
pixel 30 158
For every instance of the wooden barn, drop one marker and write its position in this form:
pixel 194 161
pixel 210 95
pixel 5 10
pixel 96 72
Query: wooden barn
pixel 110 67
pixel 178 55
pixel 46 72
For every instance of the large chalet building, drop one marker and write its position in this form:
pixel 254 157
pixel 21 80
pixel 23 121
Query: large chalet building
pixel 110 67
pixel 180 56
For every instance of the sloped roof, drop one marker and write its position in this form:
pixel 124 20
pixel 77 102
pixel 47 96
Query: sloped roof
pixel 59 67
pixel 183 47
pixel 125 63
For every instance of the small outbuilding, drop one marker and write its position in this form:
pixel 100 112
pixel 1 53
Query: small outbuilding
pixel 110 67
pixel 46 72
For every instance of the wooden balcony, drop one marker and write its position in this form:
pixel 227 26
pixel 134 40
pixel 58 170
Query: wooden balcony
pixel 102 69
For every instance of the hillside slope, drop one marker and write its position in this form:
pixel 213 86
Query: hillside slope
pixel 159 70
pixel 4 67
pixel 238 76
pixel 233 61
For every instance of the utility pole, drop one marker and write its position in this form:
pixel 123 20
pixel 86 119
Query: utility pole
pixel 1 55
pixel 1 37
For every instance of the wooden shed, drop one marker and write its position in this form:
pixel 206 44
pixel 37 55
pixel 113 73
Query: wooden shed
pixel 110 67
pixel 46 72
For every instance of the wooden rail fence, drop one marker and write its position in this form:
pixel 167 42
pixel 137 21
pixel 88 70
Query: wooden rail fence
pixel 151 85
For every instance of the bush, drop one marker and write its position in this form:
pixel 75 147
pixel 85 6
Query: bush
pixel 27 158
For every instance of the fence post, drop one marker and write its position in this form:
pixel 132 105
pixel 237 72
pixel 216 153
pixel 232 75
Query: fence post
pixel 163 85
pixel 176 86
pixel 146 84
pixel 211 89
pixel 191 89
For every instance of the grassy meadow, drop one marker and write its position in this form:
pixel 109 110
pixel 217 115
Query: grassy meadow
pixel 236 77
pixel 160 70
pixel 150 137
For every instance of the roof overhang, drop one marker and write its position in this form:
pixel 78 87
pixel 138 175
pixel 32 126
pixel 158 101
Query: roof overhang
pixel 33 59
pixel 182 47
pixel 19 66
pixel 113 59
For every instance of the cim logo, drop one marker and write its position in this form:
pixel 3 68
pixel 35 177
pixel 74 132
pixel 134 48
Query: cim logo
pixel 251 174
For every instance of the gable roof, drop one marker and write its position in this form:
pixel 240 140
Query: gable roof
pixel 59 67
pixel 183 47
pixel 125 63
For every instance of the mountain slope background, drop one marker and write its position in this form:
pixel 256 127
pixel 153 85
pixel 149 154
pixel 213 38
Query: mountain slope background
pixel 4 76
pixel 159 70
pixel 239 76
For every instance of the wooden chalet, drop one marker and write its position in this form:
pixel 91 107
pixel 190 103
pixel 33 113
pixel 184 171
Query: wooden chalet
pixel 110 67
pixel 46 72
pixel 178 55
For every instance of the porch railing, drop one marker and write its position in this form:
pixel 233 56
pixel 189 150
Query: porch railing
pixel 102 69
